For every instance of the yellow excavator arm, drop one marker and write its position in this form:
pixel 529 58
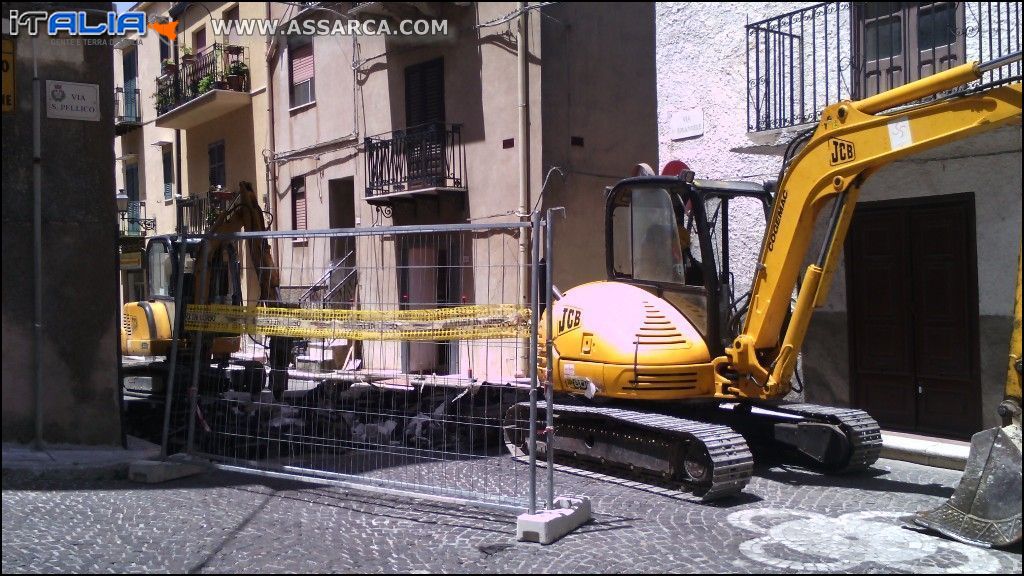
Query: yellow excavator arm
pixel 852 140
pixel 244 214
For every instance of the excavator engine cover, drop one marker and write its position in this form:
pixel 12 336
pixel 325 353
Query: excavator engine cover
pixel 985 510
pixel 145 329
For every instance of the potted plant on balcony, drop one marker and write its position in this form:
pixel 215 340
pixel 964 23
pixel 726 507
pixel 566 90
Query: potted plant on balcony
pixel 187 57
pixel 237 72
pixel 233 49
pixel 206 83
pixel 163 95
pixel 163 101
pixel 168 67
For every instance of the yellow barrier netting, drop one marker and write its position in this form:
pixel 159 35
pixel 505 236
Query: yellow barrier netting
pixel 457 323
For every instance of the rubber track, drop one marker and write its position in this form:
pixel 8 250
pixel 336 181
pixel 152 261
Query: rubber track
pixel 861 430
pixel 731 459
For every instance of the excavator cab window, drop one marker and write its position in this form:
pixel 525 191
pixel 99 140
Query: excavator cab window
pixel 690 247
pixel 158 258
pixel 673 238
pixel 162 267
pixel 654 229
pixel 655 236
pixel 647 238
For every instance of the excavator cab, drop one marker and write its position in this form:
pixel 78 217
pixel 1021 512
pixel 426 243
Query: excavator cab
pixel 670 235
pixel 162 271
pixel 162 266
pixel 146 326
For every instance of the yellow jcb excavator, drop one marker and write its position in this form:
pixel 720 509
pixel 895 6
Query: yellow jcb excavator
pixel 656 374
pixel 146 326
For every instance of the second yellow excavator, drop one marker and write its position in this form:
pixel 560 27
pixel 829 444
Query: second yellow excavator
pixel 634 355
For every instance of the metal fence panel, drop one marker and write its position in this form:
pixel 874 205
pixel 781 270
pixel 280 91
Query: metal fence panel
pixel 394 354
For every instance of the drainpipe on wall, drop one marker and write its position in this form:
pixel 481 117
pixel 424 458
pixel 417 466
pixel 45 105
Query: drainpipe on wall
pixel 268 156
pixel 37 248
pixel 180 195
pixel 524 164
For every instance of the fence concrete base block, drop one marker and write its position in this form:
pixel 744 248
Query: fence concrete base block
pixel 157 471
pixel 546 526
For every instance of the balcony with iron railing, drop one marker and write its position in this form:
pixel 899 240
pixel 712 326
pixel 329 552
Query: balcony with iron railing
pixel 423 160
pixel 203 86
pixel 133 225
pixel 127 109
pixel 802 61
pixel 200 211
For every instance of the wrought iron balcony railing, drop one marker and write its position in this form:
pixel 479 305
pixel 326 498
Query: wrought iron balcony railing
pixel 199 211
pixel 429 156
pixel 127 111
pixel 218 67
pixel 133 220
pixel 802 61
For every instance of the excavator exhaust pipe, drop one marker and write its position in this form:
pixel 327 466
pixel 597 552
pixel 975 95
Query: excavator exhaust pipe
pixel 985 510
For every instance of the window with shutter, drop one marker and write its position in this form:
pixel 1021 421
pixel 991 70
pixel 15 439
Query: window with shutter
pixel 199 40
pixel 218 171
pixel 232 15
pixel 299 203
pixel 300 56
pixel 424 93
pixel 424 116
pixel 168 157
pixel 165 49
pixel 130 67
pixel 131 188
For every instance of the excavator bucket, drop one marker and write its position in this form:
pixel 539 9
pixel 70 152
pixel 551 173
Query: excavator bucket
pixel 985 510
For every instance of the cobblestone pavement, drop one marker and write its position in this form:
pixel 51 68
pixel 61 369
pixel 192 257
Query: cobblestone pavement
pixel 789 520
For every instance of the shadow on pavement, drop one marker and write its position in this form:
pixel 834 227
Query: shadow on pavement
pixel 871 479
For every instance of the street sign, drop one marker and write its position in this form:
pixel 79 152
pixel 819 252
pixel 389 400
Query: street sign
pixel 72 100
pixel 687 124
pixel 8 75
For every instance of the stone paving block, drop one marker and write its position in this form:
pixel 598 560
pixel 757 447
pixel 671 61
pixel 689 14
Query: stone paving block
pixel 789 520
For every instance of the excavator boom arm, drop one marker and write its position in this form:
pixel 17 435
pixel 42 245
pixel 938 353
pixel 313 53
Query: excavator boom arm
pixel 246 215
pixel 852 141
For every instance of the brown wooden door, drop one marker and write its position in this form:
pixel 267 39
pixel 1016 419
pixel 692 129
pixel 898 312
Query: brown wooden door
pixel 912 300
pixel 878 290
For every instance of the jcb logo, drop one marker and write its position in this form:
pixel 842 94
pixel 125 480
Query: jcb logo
pixel 842 151
pixel 571 319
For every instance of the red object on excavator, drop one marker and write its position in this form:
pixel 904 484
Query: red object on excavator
pixel 674 168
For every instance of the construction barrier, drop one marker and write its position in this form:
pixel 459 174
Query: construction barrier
pixel 458 323
pixel 386 358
